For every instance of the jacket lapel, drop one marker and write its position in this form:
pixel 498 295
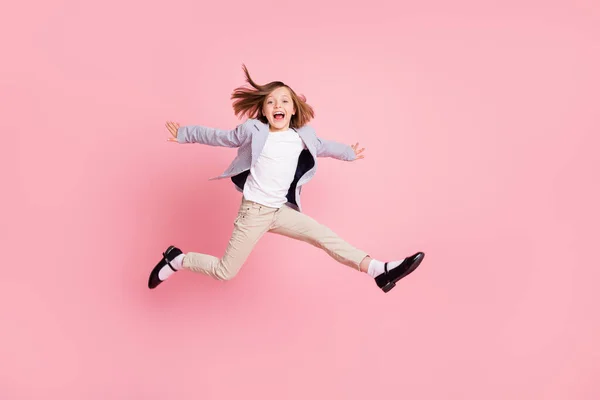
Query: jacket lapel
pixel 306 139
pixel 259 139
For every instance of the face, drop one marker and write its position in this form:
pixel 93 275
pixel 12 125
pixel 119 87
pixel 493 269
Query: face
pixel 279 108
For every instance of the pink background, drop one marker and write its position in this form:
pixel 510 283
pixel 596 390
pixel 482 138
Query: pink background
pixel 481 129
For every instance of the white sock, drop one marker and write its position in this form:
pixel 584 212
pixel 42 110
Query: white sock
pixel 166 271
pixel 377 267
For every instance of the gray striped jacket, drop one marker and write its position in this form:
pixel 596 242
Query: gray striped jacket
pixel 250 137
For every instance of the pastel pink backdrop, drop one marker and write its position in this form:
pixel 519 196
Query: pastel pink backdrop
pixel 480 124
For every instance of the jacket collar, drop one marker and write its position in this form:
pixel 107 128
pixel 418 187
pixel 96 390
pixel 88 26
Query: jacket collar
pixel 260 138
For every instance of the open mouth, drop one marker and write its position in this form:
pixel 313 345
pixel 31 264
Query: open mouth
pixel 278 115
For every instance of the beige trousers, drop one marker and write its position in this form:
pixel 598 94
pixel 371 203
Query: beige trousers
pixel 252 222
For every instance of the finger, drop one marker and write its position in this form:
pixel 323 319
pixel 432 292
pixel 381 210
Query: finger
pixel 172 129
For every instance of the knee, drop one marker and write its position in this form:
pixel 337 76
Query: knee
pixel 322 237
pixel 225 274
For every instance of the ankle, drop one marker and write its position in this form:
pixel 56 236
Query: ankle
pixel 364 264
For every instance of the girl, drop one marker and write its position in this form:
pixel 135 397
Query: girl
pixel 277 155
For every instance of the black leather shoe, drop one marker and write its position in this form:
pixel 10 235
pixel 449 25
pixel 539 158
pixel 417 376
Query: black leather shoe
pixel 387 280
pixel 168 256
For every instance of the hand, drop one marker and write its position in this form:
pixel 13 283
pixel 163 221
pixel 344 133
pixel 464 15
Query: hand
pixel 357 152
pixel 172 127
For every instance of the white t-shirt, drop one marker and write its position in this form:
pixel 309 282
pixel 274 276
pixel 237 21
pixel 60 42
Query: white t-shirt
pixel 270 178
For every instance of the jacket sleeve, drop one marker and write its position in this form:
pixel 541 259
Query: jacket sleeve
pixel 213 136
pixel 330 148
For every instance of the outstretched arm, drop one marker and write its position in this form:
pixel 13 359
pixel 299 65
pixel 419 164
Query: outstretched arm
pixel 340 151
pixel 207 135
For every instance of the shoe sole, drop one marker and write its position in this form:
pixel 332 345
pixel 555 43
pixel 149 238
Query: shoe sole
pixel 389 286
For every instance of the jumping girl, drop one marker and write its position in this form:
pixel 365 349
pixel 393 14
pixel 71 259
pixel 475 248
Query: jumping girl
pixel 277 155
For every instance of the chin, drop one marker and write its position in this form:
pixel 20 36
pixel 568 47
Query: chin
pixel 279 125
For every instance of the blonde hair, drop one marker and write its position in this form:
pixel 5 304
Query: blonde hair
pixel 250 101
